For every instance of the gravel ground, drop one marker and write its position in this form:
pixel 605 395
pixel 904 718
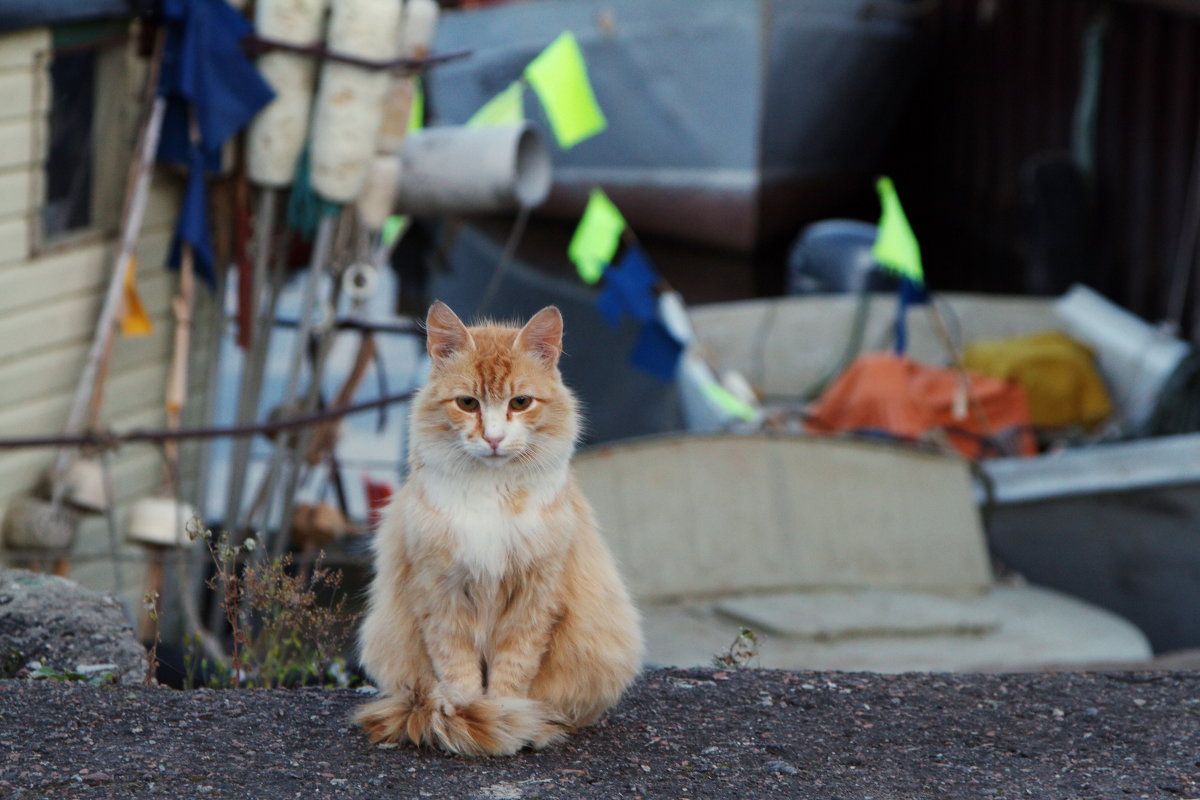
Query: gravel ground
pixel 678 734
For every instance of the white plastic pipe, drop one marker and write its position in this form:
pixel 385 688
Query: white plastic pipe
pixel 1136 358
pixel 278 132
pixel 459 170
pixel 350 99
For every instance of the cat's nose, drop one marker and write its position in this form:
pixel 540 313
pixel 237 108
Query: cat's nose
pixel 494 441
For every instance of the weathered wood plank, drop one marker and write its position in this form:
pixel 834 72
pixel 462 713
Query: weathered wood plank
pixel 162 205
pixel 20 470
pixel 20 49
pixel 72 270
pixel 17 187
pixel 22 100
pixel 17 144
pixel 14 240
pixel 57 370
pixel 70 319
pixel 140 387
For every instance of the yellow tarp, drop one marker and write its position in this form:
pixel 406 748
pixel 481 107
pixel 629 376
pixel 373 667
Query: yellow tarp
pixel 1058 374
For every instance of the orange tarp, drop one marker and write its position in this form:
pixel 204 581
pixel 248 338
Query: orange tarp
pixel 909 400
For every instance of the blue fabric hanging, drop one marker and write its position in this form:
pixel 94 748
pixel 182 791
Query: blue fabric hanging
pixel 206 77
pixel 193 223
pixel 656 351
pixel 629 289
pixel 205 72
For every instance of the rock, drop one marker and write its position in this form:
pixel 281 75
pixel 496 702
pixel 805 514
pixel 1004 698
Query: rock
pixel 64 626
pixel 782 767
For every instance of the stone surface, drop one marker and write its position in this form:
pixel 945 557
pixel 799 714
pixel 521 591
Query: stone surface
pixel 696 734
pixel 64 626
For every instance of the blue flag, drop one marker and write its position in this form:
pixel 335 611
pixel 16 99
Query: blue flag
pixel 193 223
pixel 910 293
pixel 656 351
pixel 629 289
pixel 206 73
pixel 206 77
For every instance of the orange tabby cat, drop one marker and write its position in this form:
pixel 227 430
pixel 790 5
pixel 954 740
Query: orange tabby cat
pixel 497 617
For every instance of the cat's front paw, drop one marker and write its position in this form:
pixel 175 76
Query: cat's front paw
pixel 446 698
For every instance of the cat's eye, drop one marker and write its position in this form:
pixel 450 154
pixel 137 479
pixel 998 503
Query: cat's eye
pixel 520 402
pixel 467 403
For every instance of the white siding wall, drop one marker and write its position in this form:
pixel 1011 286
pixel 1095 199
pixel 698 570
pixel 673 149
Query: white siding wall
pixel 50 298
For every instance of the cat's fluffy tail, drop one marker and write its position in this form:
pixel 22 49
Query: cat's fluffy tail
pixel 484 726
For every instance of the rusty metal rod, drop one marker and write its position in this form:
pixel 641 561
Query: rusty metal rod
pixel 108 439
pixel 257 45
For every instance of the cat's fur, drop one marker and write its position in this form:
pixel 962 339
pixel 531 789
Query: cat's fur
pixel 497 617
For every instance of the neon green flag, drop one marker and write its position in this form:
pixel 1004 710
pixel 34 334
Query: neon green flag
pixel 896 246
pixel 596 239
pixel 506 108
pixel 393 226
pixel 728 402
pixel 559 76
pixel 416 115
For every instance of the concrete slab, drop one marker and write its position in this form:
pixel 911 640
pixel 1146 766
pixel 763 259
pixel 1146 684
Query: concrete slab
pixel 1033 628
pixel 722 514
pixel 831 616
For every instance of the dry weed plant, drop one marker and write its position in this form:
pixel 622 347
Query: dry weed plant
pixel 741 652
pixel 289 626
pixel 150 601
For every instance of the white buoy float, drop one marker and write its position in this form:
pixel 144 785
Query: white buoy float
pixel 159 522
pixel 159 525
pixel 378 196
pixel 278 132
pixel 420 24
pixel 349 105
pixel 31 523
pixel 85 485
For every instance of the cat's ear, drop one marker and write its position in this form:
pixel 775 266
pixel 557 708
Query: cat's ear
pixel 445 333
pixel 542 336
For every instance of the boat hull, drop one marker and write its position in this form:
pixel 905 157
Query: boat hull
pixel 1114 524
pixel 1117 525
pixel 729 123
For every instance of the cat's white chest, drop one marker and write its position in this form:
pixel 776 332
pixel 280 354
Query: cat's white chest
pixel 489 531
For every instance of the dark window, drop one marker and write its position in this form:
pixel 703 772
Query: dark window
pixel 69 158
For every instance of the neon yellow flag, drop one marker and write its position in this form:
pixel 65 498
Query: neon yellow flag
pixel 559 76
pixel 596 239
pixel 896 246
pixel 134 319
pixel 506 108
